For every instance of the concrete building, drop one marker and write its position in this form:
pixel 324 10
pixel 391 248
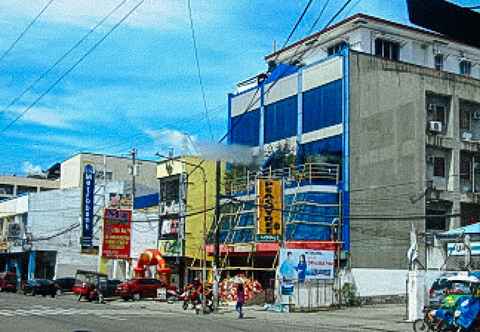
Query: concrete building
pixel 397 109
pixel 14 186
pixel 182 198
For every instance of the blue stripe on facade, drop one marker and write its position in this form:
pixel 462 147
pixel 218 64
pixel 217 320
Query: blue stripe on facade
pixel 229 124
pixel 281 119
pixel 245 128
pixel 322 106
pixel 346 152
pixel 261 136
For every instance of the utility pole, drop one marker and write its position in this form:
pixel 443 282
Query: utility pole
pixel 216 271
pixel 133 153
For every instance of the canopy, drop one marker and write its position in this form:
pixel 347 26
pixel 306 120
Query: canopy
pixel 473 229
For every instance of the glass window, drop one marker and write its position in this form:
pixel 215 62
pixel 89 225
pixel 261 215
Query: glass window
pixel 170 189
pixel 322 106
pixel 244 128
pixel 337 48
pixel 436 220
pixel 387 49
pixel 465 168
pixel 464 120
pixel 26 189
pixel 6 189
pixel 465 67
pixel 439 167
pixel 438 59
pixel 281 119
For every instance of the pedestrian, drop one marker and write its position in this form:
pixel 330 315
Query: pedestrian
pixel 240 299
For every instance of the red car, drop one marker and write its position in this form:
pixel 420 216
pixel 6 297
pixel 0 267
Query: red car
pixel 8 282
pixel 137 289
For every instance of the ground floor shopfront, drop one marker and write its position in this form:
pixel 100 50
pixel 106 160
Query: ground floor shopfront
pixel 29 264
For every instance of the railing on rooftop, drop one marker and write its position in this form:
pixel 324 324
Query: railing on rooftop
pixel 309 173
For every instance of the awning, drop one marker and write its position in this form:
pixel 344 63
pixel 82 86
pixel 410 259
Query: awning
pixel 473 229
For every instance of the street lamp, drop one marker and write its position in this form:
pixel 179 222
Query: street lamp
pixel 204 250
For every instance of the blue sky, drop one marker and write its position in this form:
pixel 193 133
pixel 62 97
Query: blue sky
pixel 139 87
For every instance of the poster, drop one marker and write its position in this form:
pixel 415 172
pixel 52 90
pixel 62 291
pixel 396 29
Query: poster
pixel 170 247
pixel 116 234
pixel 304 264
pixel 269 207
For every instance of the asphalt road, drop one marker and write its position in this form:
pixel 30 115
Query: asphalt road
pixel 20 313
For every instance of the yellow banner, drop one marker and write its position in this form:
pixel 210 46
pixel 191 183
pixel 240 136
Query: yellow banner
pixel 269 207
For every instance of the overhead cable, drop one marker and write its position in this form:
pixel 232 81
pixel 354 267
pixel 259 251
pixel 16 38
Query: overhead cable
pixel 7 51
pixel 50 88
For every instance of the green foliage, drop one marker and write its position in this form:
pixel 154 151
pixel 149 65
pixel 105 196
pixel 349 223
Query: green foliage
pixel 349 295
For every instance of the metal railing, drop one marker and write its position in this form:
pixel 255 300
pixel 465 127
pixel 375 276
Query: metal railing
pixel 310 173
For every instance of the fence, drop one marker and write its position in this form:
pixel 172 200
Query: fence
pixel 304 296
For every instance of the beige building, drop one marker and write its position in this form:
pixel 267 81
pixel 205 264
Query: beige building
pixel 115 169
pixel 13 186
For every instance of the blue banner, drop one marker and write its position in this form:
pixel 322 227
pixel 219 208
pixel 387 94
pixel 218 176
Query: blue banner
pixel 87 206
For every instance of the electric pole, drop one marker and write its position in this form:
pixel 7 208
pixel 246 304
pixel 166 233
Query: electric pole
pixel 216 276
pixel 133 153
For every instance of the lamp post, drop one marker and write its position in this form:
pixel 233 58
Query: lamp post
pixel 204 247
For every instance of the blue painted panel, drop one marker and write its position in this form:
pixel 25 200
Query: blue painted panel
pixel 331 145
pixel 245 128
pixel 145 201
pixel 281 70
pixel 281 119
pixel 32 266
pixel 322 106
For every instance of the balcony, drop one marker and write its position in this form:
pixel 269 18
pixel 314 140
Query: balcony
pixel 304 174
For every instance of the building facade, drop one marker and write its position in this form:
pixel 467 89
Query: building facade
pixel 14 186
pixel 392 106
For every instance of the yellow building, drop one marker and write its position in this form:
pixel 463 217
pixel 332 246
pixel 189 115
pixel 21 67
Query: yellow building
pixel 187 189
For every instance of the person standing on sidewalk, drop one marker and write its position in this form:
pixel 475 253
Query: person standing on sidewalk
pixel 240 300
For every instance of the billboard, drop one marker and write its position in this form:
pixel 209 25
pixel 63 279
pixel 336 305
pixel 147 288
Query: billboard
pixel 305 264
pixel 116 234
pixel 170 247
pixel 88 191
pixel 269 207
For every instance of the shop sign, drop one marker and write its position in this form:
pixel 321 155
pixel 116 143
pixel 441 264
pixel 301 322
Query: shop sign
pixel 267 238
pixel 169 228
pixel 458 249
pixel 269 207
pixel 304 264
pixel 86 240
pixel 170 247
pixel 117 234
pixel 243 248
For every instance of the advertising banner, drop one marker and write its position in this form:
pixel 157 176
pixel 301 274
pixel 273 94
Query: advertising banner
pixel 459 249
pixel 86 240
pixel 304 264
pixel 269 207
pixel 117 234
pixel 170 247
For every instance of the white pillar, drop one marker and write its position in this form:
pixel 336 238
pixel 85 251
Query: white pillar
pixel 416 295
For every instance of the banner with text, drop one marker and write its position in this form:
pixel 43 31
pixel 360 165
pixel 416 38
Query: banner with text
pixel 88 190
pixel 116 233
pixel 269 208
pixel 305 264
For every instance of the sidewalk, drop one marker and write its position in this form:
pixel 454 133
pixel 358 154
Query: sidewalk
pixel 385 318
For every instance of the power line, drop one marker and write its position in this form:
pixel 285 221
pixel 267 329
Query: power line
pixel 66 54
pixel 337 13
pixel 7 51
pixel 199 72
pixel 319 15
pixel 73 66
pixel 305 9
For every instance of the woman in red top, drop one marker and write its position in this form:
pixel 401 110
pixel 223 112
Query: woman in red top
pixel 240 300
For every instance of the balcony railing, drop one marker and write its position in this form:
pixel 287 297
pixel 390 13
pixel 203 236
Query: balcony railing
pixel 310 173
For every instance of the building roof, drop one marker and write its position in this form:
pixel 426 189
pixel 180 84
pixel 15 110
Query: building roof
pixel 106 155
pixel 369 19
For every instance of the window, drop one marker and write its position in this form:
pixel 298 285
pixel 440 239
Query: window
pixel 170 189
pixel 436 220
pixel 438 59
pixel 439 167
pixel 26 189
pixel 6 189
pixel 387 49
pixel 244 128
pixel 322 106
pixel 464 120
pixel 281 119
pixel 465 67
pixel 465 168
pixel 99 175
pixel 337 48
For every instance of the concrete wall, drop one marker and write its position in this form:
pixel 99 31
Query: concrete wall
pixel 388 145
pixel 72 170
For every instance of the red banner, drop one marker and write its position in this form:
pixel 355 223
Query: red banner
pixel 116 233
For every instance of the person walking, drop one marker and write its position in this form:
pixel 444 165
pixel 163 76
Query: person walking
pixel 240 300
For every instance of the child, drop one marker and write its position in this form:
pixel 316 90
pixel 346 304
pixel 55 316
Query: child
pixel 240 300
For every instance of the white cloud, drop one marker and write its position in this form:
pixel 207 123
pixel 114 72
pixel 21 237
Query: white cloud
pixel 167 139
pixel 30 169
pixel 42 116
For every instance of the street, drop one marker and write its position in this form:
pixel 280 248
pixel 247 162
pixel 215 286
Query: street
pixel 26 313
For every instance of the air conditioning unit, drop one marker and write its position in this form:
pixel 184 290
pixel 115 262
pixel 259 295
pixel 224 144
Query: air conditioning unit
pixel 435 126
pixel 467 136
pixel 476 115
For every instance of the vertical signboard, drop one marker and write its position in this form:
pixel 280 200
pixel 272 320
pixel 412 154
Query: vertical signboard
pixel 116 233
pixel 269 209
pixel 86 240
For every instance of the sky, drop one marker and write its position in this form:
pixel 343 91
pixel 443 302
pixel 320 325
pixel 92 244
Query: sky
pixel 140 87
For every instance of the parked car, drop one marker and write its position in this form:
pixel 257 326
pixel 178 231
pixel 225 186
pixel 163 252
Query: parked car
pixel 64 285
pixel 137 289
pixel 40 286
pixel 8 282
